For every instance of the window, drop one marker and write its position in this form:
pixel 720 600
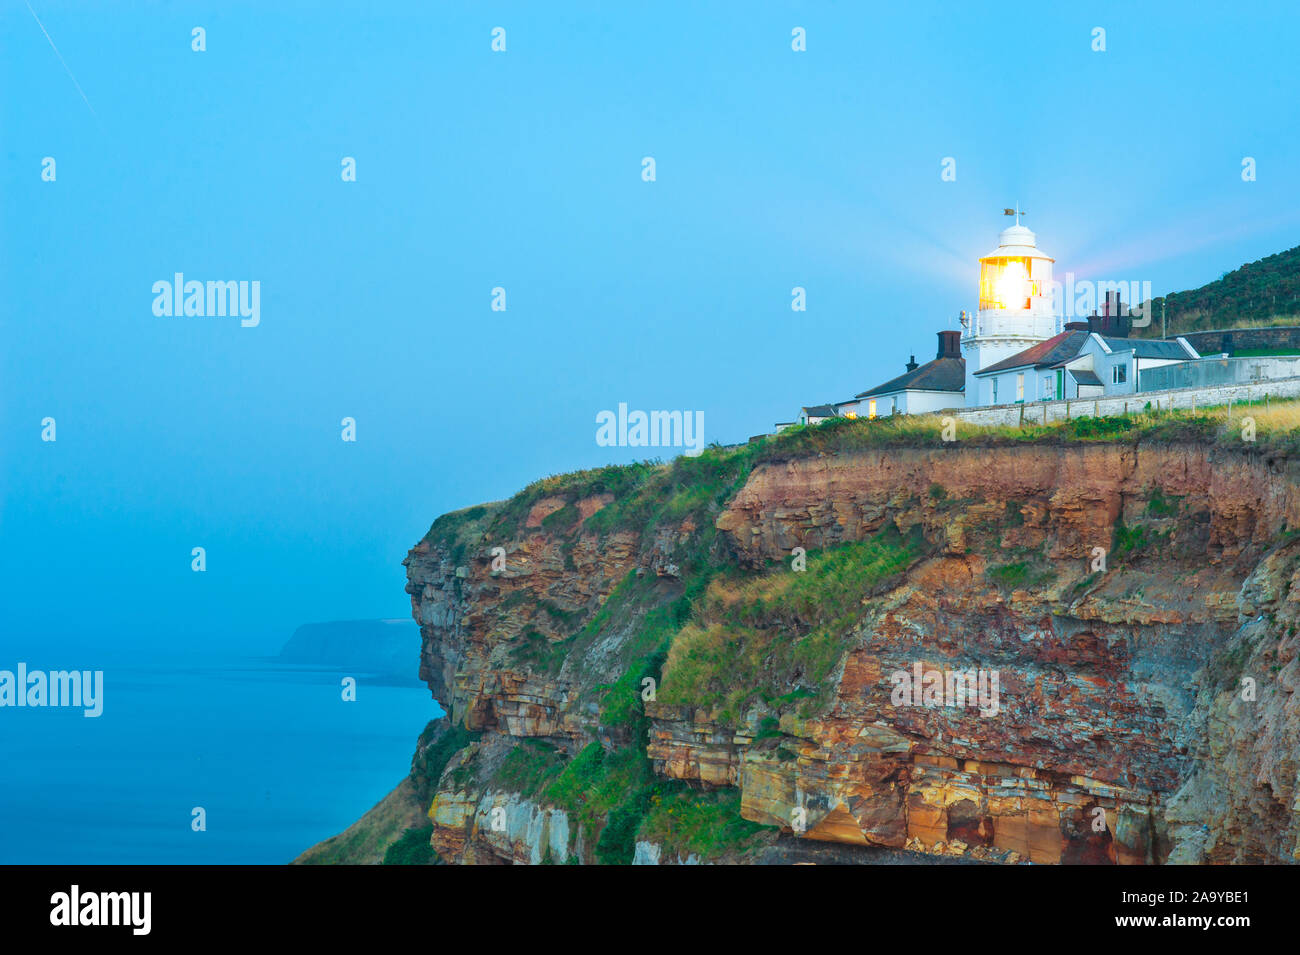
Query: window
pixel 995 392
pixel 871 408
pixel 1118 374
pixel 1047 387
pixel 1020 387
pixel 893 406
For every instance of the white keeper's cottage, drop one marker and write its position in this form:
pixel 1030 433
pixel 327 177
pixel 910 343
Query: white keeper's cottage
pixel 935 386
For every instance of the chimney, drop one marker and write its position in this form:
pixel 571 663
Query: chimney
pixel 911 365
pixel 1078 327
pixel 949 344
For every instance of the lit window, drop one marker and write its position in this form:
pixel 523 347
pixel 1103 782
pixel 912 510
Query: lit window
pixel 871 408
pixel 1020 387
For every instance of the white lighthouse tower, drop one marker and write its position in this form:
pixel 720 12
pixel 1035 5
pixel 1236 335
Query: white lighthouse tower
pixel 1015 309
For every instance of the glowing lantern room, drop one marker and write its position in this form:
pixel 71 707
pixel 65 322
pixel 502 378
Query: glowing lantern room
pixel 1016 275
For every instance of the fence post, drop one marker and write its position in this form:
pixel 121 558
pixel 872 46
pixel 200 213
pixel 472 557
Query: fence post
pixel 1022 414
pixel 1096 409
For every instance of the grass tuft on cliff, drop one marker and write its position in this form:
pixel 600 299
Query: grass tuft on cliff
pixel 412 848
pixel 778 637
pixel 645 496
pixel 440 741
pixel 605 790
pixel 703 823
pixel 617 795
pixel 529 767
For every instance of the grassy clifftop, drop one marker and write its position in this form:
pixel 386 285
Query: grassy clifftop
pixel 648 495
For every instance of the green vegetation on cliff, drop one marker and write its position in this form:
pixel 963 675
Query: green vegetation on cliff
pixel 412 848
pixel 529 767
pixel 778 637
pixel 618 795
pixel 440 741
pixel 608 793
pixel 706 824
pixel 646 496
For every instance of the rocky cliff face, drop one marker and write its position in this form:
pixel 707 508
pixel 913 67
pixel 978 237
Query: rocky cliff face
pixel 707 660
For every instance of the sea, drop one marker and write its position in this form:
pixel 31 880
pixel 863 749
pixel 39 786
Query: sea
pixel 271 753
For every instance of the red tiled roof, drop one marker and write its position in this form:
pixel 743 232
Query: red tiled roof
pixel 1056 349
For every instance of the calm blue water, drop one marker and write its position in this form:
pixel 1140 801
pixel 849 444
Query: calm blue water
pixel 271 751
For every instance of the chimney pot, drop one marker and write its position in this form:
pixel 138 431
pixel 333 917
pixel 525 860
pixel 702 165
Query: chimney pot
pixel 949 344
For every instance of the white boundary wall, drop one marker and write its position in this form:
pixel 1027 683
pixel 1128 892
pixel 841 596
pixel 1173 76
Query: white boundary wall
pixel 1038 412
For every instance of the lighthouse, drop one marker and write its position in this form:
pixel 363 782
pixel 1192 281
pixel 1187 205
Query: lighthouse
pixel 1015 306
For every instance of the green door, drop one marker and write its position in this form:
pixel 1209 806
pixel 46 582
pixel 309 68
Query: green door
pixel 1060 383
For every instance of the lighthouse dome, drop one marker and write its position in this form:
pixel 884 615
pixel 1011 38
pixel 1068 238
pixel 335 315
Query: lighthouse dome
pixel 1017 240
pixel 1017 235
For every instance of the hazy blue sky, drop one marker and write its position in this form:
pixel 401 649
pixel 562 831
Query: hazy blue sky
pixel 523 170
